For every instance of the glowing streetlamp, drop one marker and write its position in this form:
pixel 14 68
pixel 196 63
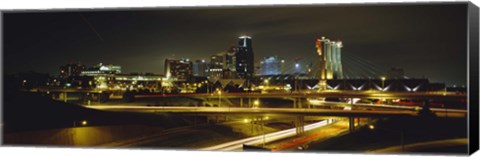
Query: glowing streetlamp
pixel 256 103
pixel 219 97
pixel 265 81
pixel 383 83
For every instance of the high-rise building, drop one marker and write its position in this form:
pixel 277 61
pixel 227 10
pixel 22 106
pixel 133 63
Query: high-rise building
pixel 230 59
pixel 244 57
pixel 272 65
pixel 216 61
pixel 70 70
pixel 200 68
pixel 215 69
pixel 180 69
pixel 330 58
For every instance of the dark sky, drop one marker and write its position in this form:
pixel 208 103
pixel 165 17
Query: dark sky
pixel 424 40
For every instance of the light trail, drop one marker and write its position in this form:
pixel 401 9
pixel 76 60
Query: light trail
pixel 237 110
pixel 396 106
pixel 235 145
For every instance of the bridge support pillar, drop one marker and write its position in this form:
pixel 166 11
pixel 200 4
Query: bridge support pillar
pixel 299 103
pixel 295 103
pixel 65 97
pixel 250 102
pixel 351 124
pixel 241 102
pixel 299 125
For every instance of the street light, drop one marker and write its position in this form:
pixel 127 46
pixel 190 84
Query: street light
pixel 256 103
pixel 84 122
pixel 219 98
pixel 383 83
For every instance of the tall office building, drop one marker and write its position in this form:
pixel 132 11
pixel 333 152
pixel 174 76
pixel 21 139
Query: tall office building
pixel 272 65
pixel 179 69
pixel 200 68
pixel 244 57
pixel 330 60
pixel 216 61
pixel 230 59
pixel 215 69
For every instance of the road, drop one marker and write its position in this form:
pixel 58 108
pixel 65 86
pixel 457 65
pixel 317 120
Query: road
pixel 270 137
pixel 281 111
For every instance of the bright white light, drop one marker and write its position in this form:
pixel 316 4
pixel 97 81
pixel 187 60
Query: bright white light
pixel 315 101
pixel 244 37
pixel 267 137
pixel 297 65
pixel 104 68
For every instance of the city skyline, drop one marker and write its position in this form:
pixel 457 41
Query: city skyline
pixel 133 40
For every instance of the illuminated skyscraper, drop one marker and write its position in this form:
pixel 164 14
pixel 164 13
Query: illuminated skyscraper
pixel 230 59
pixel 244 57
pixel 330 60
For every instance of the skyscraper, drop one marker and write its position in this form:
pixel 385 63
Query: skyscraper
pixel 230 59
pixel 215 69
pixel 330 60
pixel 244 57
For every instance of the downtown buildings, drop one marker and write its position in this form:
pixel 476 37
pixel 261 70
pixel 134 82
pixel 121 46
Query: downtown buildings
pixel 234 67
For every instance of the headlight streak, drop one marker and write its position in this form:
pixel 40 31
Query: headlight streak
pixel 234 145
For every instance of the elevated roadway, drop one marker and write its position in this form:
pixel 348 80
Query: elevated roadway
pixel 268 111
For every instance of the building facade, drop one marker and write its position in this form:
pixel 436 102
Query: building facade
pixel 230 59
pixel 180 69
pixel 200 68
pixel 330 58
pixel 244 57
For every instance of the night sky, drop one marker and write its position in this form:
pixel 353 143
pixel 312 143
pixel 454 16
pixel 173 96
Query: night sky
pixel 425 40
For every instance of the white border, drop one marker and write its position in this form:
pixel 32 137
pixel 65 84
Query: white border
pixel 10 5
pixel 69 4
